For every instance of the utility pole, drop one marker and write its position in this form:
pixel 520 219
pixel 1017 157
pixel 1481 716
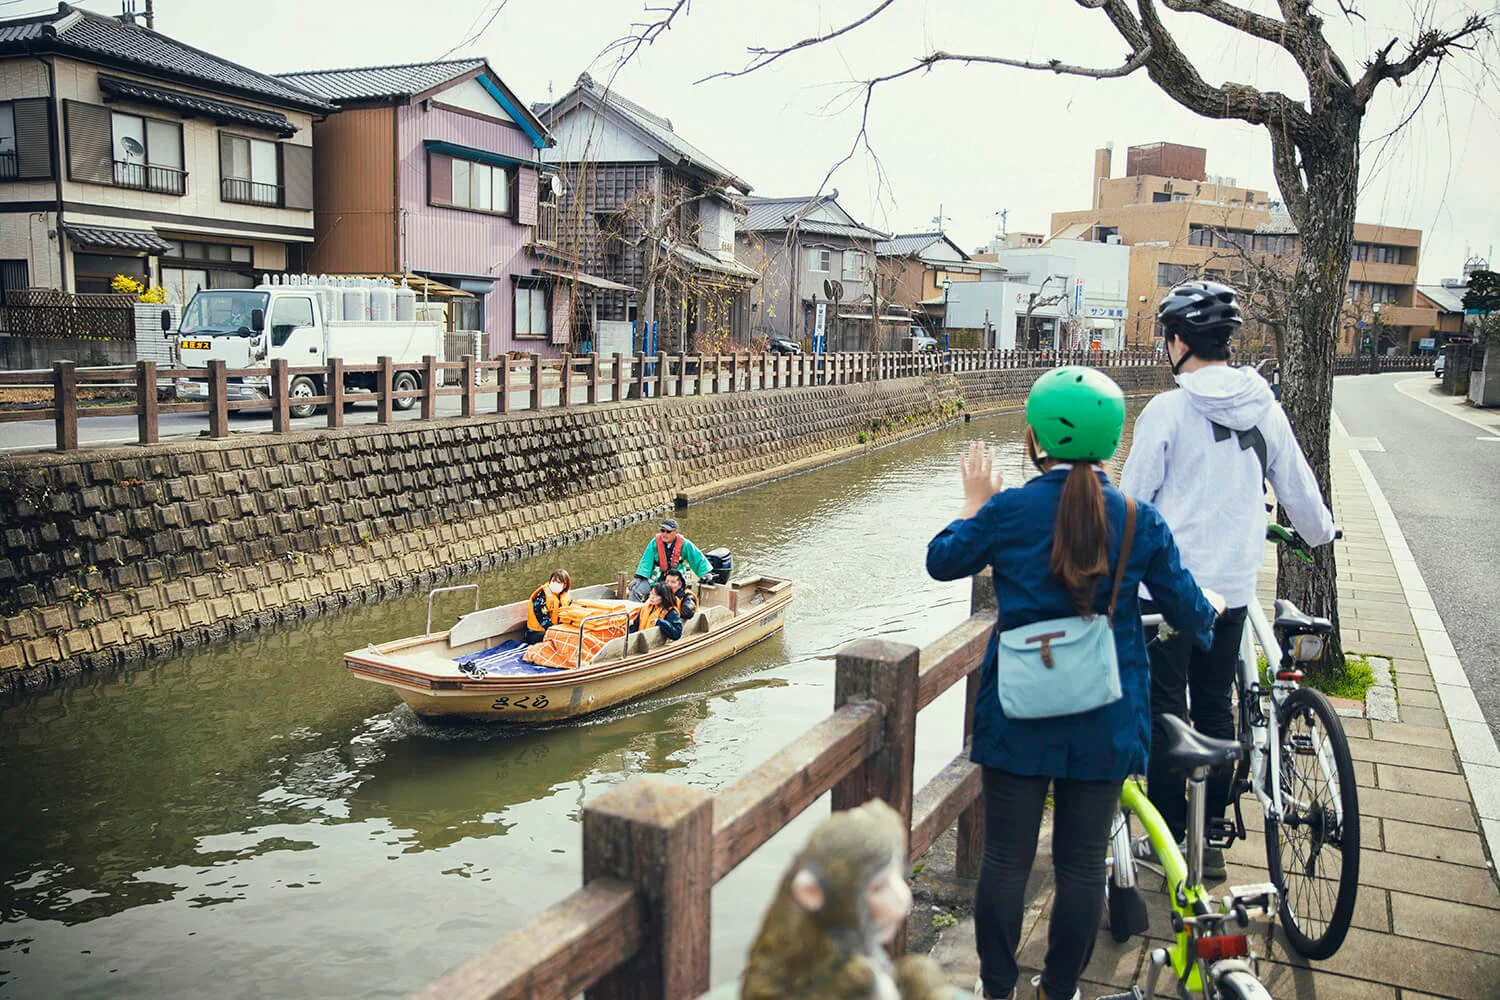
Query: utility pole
pixel 150 16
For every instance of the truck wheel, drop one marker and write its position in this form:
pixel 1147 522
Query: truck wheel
pixel 302 387
pixel 404 382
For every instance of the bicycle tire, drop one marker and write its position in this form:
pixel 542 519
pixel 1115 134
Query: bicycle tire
pixel 1242 986
pixel 1297 845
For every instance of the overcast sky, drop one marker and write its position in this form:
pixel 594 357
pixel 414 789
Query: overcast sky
pixel 969 140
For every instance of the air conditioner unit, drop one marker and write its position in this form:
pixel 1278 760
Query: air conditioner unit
pixel 1113 238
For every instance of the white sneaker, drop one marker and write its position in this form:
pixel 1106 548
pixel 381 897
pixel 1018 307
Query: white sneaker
pixel 1036 984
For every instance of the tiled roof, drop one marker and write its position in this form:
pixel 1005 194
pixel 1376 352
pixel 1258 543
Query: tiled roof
pixel 371 82
pixel 699 259
pixel 1445 298
pixel 657 129
pixel 220 111
pixel 905 244
pixel 117 239
pixel 776 215
pixel 105 39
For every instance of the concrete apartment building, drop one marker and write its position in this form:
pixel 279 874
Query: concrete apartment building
pixel 1182 223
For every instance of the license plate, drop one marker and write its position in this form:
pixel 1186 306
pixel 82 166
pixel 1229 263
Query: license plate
pixel 196 345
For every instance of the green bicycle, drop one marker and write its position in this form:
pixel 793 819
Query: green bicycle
pixel 1292 753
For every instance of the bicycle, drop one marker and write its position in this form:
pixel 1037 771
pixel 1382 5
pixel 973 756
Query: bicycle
pixel 1310 812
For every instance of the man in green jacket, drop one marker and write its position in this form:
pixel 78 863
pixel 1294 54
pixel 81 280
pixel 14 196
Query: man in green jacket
pixel 668 550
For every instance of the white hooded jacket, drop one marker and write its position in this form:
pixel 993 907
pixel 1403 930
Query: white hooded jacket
pixel 1207 480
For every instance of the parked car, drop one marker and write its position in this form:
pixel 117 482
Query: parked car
pixel 780 345
pixel 922 342
pixel 1437 365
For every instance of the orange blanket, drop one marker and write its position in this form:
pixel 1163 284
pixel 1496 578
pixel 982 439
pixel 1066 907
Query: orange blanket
pixel 601 621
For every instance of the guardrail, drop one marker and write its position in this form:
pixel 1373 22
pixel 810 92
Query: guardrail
pixel 1369 364
pixel 503 385
pixel 654 848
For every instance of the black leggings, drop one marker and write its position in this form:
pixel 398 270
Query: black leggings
pixel 1083 813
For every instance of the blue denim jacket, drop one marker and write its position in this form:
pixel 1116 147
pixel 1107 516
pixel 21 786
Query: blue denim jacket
pixel 1012 533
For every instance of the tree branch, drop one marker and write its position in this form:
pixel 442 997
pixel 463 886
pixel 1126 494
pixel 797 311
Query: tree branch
pixel 1240 19
pixel 1288 174
pixel 763 57
pixel 1430 44
pixel 642 34
pixel 1134 62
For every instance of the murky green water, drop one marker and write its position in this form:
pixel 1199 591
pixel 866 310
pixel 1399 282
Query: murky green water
pixel 250 820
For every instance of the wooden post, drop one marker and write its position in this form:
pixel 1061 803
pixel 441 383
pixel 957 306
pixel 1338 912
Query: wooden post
pixel 885 673
pixel 218 401
pixel 734 373
pixel 335 392
pixel 429 386
pixel 661 373
pixel 65 403
pixel 681 373
pixel 536 382
pixel 502 374
pixel 594 377
pixel 281 410
pixel 658 835
pixel 147 419
pixel 638 374
pixel 565 389
pixel 471 371
pixel 698 382
pixel 383 379
pixel 971 820
pixel 619 377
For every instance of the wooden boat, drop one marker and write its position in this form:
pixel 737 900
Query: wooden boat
pixel 434 673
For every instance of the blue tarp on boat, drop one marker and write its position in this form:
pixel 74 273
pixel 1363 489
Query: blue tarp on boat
pixel 503 660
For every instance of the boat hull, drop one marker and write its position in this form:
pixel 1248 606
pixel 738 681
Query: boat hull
pixel 566 694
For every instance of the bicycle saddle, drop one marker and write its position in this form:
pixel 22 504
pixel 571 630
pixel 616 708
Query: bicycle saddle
pixel 1290 619
pixel 1186 749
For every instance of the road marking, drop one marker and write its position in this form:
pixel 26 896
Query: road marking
pixel 1483 438
pixel 1401 388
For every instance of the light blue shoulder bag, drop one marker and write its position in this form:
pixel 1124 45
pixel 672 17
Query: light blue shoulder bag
pixel 1063 666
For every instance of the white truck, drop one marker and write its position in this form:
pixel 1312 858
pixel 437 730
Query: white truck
pixel 247 328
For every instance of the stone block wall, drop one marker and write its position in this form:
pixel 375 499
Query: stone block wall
pixel 116 555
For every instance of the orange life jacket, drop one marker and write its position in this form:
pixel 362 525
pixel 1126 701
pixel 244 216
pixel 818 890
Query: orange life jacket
pixel 651 614
pixel 554 603
pixel 668 559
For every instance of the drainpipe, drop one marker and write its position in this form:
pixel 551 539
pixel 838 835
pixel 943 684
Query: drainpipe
pixel 54 139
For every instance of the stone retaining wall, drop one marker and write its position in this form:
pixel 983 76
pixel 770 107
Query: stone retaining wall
pixel 116 555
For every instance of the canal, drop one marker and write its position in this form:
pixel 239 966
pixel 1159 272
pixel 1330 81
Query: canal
pixel 250 820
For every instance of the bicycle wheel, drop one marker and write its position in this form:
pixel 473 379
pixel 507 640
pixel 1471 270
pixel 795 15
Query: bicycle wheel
pixel 1241 986
pixel 1312 853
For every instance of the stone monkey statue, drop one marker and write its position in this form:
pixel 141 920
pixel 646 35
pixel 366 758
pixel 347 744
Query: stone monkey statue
pixel 840 903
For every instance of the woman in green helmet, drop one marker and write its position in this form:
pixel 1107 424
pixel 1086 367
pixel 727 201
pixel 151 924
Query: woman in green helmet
pixel 1048 715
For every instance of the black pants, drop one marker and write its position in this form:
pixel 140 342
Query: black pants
pixel 1182 675
pixel 1013 806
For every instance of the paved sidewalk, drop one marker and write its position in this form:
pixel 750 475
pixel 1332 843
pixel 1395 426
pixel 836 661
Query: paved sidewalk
pixel 1427 918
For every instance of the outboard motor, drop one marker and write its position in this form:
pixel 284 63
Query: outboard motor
pixel 722 565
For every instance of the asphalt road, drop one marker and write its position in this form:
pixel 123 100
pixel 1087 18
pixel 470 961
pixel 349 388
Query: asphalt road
pixel 1442 479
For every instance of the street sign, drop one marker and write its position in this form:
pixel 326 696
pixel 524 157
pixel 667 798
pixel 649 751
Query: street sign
pixel 820 326
pixel 1078 297
pixel 1427 343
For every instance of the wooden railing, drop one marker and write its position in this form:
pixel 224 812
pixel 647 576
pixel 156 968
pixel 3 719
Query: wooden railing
pixel 654 848
pixel 501 386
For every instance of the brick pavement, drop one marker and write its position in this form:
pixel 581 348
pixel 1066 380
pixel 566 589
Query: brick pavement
pixel 1427 918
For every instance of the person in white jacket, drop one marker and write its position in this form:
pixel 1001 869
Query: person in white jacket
pixel 1201 454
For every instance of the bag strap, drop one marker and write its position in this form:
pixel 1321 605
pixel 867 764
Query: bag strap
pixel 1125 540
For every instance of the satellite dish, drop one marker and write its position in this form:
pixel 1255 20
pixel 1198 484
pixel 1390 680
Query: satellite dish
pixel 555 186
pixel 133 148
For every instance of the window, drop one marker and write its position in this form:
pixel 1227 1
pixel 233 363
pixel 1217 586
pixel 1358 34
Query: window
pixel 25 139
pixel 1200 236
pixel 1372 292
pixel 1168 275
pixel 1359 251
pixel 289 314
pixel 820 260
pixel 854 266
pixel 531 311
pixel 468 184
pixel 1160 196
pixel 147 154
pixel 217 253
pixel 249 170
pixel 13 278
pixel 1179 197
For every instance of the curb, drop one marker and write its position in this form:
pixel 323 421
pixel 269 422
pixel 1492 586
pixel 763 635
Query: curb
pixel 1472 740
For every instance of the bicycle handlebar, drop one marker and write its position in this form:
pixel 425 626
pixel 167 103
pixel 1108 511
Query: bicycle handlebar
pixel 1280 534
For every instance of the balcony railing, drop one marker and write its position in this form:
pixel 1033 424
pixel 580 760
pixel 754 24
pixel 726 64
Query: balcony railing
pixel 9 166
pixel 246 192
pixel 546 224
pixel 150 177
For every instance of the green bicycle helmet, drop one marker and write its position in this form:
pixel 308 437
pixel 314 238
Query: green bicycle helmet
pixel 1077 414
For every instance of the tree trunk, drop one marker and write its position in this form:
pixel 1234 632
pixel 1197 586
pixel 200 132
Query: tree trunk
pixel 1330 162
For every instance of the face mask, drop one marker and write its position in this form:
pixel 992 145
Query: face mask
pixel 555 587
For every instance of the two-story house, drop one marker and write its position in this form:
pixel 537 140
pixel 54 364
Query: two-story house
pixel 913 269
pixel 810 252
pixel 433 169
pixel 646 209
pixel 125 151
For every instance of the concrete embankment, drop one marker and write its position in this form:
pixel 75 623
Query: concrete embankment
pixel 110 556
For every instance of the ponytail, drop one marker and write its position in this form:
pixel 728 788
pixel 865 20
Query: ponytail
pixel 1079 556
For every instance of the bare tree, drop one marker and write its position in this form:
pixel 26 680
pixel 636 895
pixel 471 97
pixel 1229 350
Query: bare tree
pixel 1315 157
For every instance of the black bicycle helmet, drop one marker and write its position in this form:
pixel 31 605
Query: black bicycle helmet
pixel 1200 310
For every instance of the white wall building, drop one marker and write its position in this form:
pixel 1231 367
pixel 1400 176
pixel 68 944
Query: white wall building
pixel 1080 290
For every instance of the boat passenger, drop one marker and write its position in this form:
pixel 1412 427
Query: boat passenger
pixel 687 604
pixel 1072 715
pixel 668 550
pixel 546 601
pixel 660 611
